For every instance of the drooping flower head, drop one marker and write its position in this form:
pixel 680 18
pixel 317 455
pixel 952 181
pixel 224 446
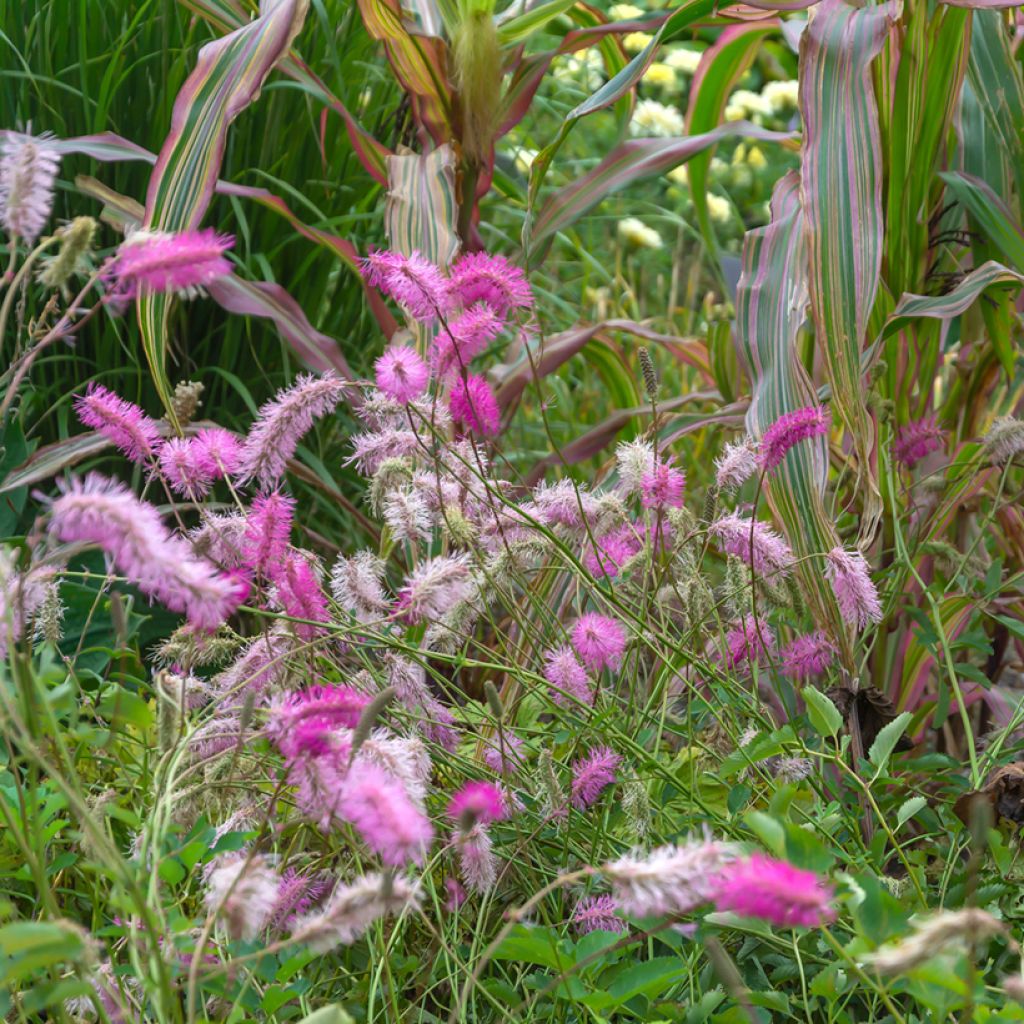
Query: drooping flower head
pixel 150 262
pixel 480 277
pixel 634 461
pixel 592 774
pixel 401 374
pixel 737 536
pixel 465 337
pixel 790 429
pixel 268 528
pixel 300 593
pixel 28 170
pixel 182 468
pixel 282 422
pixel 474 405
pixel 1004 439
pixel 600 641
pixel 749 642
pixel 856 595
pixel 917 439
pixel 412 281
pixel 597 914
pixel 774 891
pixel 504 754
pixel 357 585
pixel 568 678
pixel 121 422
pixel 662 487
pixel 806 656
pixel 736 464
pixel 476 802
pixel 218 452
pixel 242 891
pixel 477 863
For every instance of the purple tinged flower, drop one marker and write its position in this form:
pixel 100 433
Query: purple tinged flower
pixel 282 422
pixel 327 707
pixel 771 554
pixel 476 802
pixel 750 642
pixel 300 594
pixel 480 277
pixel 473 404
pixel 268 527
pixel 182 468
pixel 412 281
pixel 297 894
pixel 477 862
pixel 389 822
pixel 600 641
pixel 774 891
pixel 357 585
pixel 242 891
pixel 435 587
pixel 131 533
pixel 370 449
pixel 28 170
pixel 401 374
pixel 261 665
pixel 150 262
pixel 597 914
pixel 563 503
pixel 790 429
pixel 568 678
pixel 736 464
pixel 121 422
pixel 614 550
pixel 806 656
pixel 856 595
pixel 504 754
pixel 218 452
pixel 592 774
pixel 662 487
pixel 917 439
pixel 464 337
pixel 457 894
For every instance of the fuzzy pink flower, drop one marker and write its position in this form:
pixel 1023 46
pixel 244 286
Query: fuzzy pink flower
pixel 568 678
pixel 105 513
pixel 370 449
pixel 327 708
pixel 28 170
pixel 156 262
pixel 357 584
pixel 464 337
pixel 457 894
pixel 790 429
pixel 476 802
pixel 412 281
pixel 774 891
pixel 771 554
pixel 599 641
pixel 597 914
pixel 917 439
pixel 856 595
pixel 614 550
pixel 436 586
pixel 477 862
pixel 282 422
pixel 806 656
pixel 262 664
pixel 479 277
pixel 389 822
pixel 121 422
pixel 662 487
pixel 297 894
pixel 475 406
pixel 268 527
pixel 736 464
pixel 300 594
pixel 401 374
pixel 242 891
pixel 504 754
pixel 218 452
pixel 749 641
pixel 592 774
pixel 182 468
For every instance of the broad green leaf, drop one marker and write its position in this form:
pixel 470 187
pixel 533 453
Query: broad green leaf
pixel 769 830
pixel 990 214
pixel 886 740
pixel 328 1015
pixel 909 808
pixel 522 26
pixel 823 714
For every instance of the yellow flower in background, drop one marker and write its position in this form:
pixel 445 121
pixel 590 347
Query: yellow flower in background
pixel 524 158
pixel 661 76
pixel 756 159
pixel 719 208
pixel 739 154
pixel 654 118
pixel 624 12
pixel 781 95
pixel 680 175
pixel 585 67
pixel 734 112
pixel 683 60
pixel 634 42
pixel 634 231
pixel 753 103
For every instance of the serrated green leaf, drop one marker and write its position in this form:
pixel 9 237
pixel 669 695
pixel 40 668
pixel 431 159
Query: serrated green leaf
pixel 823 714
pixel 886 740
pixel 909 808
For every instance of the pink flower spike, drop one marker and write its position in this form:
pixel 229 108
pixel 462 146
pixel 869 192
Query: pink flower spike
pixel 327 708
pixel 218 452
pixel 154 262
pixel 663 487
pixel 465 337
pixel 592 774
pixel 599 641
pixel 771 554
pixel 389 822
pixel 614 550
pixel 917 439
pixel 597 914
pixel 475 406
pixel 456 894
pixel 856 595
pixel 806 656
pixel 479 277
pixel 412 281
pixel 504 754
pixel 774 891
pixel 749 641
pixel 268 528
pixel 28 170
pixel 121 422
pixel 568 678
pixel 401 374
pixel 476 802
pixel 182 469
pixel 300 594
pixel 790 429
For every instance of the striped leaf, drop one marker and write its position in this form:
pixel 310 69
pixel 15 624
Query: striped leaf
pixel 990 215
pixel 228 76
pixel 632 161
pixel 771 299
pixel 841 195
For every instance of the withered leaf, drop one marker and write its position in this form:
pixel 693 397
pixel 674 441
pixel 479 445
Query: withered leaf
pixel 1003 791
pixel 874 711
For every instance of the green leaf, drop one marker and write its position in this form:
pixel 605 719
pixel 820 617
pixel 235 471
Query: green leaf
pixel 909 808
pixel 886 740
pixel 769 830
pixel 533 945
pixel 990 214
pixel 823 714
pixel 333 1014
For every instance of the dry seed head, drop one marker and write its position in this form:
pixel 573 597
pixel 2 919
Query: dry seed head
pixel 650 374
pixel 1004 440
pixel 187 400
pixel 75 242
